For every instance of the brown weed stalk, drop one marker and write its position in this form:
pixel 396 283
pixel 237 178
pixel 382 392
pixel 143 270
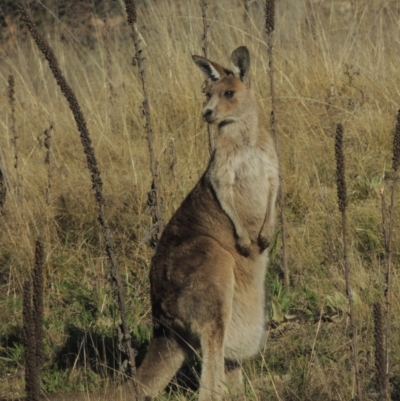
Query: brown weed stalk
pixel 154 196
pixel 11 100
pixel 269 29
pixel 37 302
pixel 384 219
pixel 33 325
pixel 32 393
pixel 380 360
pixel 204 41
pixel 107 45
pixel 247 4
pixel 47 145
pixel 342 203
pixel 204 48
pixel 97 183
pixel 172 159
pixel 388 242
pixel 3 191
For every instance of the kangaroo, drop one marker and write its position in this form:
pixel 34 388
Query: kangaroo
pixel 207 275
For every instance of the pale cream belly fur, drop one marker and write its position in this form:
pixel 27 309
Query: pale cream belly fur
pixel 246 329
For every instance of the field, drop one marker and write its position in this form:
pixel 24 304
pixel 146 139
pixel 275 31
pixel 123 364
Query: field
pixel 335 62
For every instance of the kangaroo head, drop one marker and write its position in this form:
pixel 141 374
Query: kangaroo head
pixel 229 95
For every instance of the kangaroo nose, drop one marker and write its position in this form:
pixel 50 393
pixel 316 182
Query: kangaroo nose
pixel 207 115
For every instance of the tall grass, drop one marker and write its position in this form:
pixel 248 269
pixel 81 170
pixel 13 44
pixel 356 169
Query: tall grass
pixel 305 357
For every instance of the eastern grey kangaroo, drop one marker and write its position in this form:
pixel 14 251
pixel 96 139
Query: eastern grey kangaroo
pixel 207 275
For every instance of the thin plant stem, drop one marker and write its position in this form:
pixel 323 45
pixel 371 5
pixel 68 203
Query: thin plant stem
pixel 29 343
pixel 107 45
pixel 204 48
pixel 47 145
pixel 383 211
pixel 11 99
pixel 3 191
pixel 33 325
pixel 380 363
pixel 97 183
pixel 269 29
pixel 154 196
pixel 37 301
pixel 379 360
pixel 389 251
pixel 15 137
pixel 172 157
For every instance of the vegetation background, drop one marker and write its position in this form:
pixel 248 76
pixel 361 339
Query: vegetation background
pixel 336 61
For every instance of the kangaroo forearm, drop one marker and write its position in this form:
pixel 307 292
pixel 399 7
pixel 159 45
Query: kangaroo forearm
pixel 225 199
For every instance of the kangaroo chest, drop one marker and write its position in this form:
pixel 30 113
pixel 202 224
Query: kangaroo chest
pixel 251 185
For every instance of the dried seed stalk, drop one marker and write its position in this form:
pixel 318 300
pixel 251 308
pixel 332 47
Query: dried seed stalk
pixel 47 145
pixel 269 16
pixel 247 4
pixel 389 251
pixel 107 45
pixel 269 29
pixel 3 191
pixel 11 99
pixel 342 203
pixel 97 183
pixel 33 326
pixel 154 195
pixel 29 343
pixel 172 156
pixel 340 170
pixel 384 222
pixel 380 362
pixel 204 47
pixel 37 302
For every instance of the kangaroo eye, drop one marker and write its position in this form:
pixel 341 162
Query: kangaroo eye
pixel 229 94
pixel 208 95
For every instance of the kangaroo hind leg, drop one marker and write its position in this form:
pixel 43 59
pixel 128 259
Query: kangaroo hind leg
pixel 234 380
pixel 206 303
pixel 163 359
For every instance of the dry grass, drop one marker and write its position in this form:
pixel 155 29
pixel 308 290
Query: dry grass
pixel 333 64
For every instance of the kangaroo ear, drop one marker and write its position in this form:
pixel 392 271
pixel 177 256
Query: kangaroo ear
pixel 240 60
pixel 210 69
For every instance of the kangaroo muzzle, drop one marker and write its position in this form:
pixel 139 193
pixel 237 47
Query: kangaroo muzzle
pixel 207 115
